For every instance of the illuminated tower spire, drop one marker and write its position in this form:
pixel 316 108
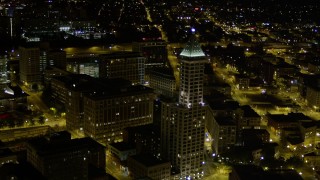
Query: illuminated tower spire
pixel 192 60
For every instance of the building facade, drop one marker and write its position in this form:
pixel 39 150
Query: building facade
pixel 155 52
pixel 57 58
pixel 126 65
pixel 144 165
pixel 107 113
pixel 29 65
pixel 163 82
pixel 60 157
pixel 224 134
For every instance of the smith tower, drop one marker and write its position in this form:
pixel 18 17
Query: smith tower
pixel 183 123
pixel 192 60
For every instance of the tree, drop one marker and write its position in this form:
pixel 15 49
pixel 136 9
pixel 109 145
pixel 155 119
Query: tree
pixel 10 123
pixel 19 122
pixel 31 122
pixel 41 120
pixel 35 87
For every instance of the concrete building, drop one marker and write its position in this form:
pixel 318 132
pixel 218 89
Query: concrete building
pixel 224 134
pixel 113 104
pixel 183 123
pixel 29 65
pixel 51 72
pixel 57 58
pixel 110 110
pixel 121 150
pixel 146 138
pixel 246 118
pixel 155 52
pixel 144 165
pixel 130 66
pixel 68 91
pixel 255 137
pixel 248 172
pixel 60 157
pixel 242 81
pixel 279 121
pixel 126 65
pixel 4 80
pixel 313 97
pixel 163 81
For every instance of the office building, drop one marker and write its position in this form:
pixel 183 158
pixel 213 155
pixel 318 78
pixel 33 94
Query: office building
pixel 246 118
pixel 126 65
pixel 224 134
pixel 130 66
pixel 29 65
pixel 110 110
pixel 163 82
pixel 121 151
pixel 118 103
pixel 183 123
pixel 4 80
pixel 60 157
pixel 155 52
pixel 57 58
pixel 313 96
pixel 146 138
pixel 148 166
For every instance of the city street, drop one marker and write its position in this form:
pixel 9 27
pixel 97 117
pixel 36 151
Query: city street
pixel 35 101
pixel 113 168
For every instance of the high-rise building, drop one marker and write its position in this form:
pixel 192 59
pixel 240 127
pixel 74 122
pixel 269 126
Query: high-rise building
pixel 3 71
pixel 183 123
pixel 29 65
pixel 57 58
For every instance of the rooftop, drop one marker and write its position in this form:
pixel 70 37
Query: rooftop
pixel 148 160
pixel 45 146
pixel 192 49
pixel 143 129
pixel 98 88
pixel 122 146
pixel 120 91
pixel 291 117
pixel 248 111
pixel 225 121
pixel 163 71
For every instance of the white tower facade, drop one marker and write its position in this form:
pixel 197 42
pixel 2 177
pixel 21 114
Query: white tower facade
pixel 192 60
pixel 183 123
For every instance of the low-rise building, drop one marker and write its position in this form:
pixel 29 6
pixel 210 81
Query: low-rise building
pixel 246 118
pixel 146 138
pixel 224 134
pixel 163 81
pixel 60 157
pixel 145 165
pixel 121 150
pixel 279 121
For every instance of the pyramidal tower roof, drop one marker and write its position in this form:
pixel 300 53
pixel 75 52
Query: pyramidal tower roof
pixel 192 49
